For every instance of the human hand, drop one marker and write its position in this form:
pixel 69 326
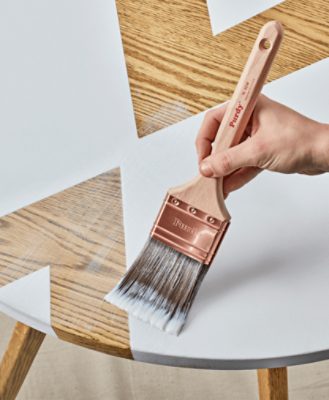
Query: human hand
pixel 277 139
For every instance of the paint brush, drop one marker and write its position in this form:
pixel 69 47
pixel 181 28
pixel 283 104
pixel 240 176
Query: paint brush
pixel 161 285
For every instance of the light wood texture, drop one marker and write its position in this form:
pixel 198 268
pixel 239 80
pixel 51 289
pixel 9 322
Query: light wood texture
pixel 207 194
pixel 79 233
pixel 273 384
pixel 17 360
pixel 177 68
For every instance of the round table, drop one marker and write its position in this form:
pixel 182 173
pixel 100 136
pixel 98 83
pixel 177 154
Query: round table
pixel 67 251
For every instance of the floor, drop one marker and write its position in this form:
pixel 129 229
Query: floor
pixel 63 371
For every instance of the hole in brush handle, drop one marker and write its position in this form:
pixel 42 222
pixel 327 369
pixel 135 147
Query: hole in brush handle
pixel 265 44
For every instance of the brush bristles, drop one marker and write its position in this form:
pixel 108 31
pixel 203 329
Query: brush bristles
pixel 160 287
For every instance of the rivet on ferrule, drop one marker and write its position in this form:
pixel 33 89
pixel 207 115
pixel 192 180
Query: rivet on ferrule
pixel 193 210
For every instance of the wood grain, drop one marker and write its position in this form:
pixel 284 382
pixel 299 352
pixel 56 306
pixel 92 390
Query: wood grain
pixel 273 384
pixel 177 68
pixel 22 349
pixel 79 233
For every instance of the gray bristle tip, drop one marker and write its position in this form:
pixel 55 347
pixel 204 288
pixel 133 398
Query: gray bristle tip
pixel 160 287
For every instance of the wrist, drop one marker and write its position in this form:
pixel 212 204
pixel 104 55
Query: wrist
pixel 321 148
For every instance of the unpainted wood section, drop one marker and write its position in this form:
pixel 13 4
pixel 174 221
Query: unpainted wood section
pixel 17 360
pixel 273 384
pixel 177 68
pixel 79 233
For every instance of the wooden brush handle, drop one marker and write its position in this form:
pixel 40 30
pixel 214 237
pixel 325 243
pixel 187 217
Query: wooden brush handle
pixel 206 194
pixel 251 82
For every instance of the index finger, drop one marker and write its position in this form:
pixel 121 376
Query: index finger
pixel 208 131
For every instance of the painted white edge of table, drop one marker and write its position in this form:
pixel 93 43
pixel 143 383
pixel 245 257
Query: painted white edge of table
pixel 167 158
pixel 28 300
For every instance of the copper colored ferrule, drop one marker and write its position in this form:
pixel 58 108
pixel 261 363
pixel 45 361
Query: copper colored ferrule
pixel 189 230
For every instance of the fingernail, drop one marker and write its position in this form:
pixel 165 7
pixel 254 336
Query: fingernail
pixel 206 169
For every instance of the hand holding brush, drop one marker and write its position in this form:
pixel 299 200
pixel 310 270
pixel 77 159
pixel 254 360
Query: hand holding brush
pixel 277 139
pixel 160 286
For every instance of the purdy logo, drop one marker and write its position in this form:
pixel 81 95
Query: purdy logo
pixel 180 224
pixel 238 110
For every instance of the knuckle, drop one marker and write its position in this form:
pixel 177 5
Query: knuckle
pixel 259 152
pixel 198 141
pixel 225 163
pixel 209 115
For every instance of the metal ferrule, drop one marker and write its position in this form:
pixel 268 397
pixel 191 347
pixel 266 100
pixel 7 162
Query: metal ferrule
pixel 189 230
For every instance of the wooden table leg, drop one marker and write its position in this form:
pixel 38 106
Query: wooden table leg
pixel 273 384
pixel 16 362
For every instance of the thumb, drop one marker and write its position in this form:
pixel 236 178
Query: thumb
pixel 225 162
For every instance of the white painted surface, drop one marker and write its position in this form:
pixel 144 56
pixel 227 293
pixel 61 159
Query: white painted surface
pixel 66 116
pixel 65 106
pixel 28 300
pixel 224 14
pixel 264 301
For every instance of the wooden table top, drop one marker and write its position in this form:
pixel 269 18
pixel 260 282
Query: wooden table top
pixel 175 67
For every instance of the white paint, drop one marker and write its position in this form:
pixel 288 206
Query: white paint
pixel 225 14
pixel 66 112
pixel 28 300
pixel 264 301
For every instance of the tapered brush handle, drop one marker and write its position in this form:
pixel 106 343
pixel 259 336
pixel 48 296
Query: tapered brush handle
pixel 251 82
